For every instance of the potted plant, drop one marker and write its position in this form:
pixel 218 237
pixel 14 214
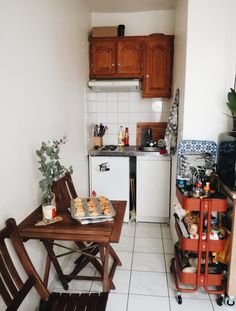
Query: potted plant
pixel 50 167
pixel 231 103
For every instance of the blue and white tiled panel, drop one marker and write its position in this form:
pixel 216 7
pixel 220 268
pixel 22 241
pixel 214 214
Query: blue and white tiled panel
pixel 195 154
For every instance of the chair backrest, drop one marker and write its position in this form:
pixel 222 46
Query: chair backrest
pixel 64 191
pixel 12 288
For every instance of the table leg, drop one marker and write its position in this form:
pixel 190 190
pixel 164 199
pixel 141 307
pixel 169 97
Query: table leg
pixel 47 270
pixel 52 255
pixel 105 253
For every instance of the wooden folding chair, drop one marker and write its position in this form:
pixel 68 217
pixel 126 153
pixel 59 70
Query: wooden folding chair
pixel 14 290
pixel 64 191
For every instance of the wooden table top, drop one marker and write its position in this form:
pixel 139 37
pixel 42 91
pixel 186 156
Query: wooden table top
pixel 71 230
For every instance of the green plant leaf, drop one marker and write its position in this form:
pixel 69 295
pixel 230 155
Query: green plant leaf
pixel 232 108
pixel 232 98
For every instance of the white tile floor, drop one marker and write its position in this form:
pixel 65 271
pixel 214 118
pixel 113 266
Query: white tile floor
pixel 144 281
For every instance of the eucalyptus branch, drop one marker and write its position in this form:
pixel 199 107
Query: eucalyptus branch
pixel 50 166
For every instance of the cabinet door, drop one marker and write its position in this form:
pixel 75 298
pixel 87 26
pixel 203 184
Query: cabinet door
pixel 129 57
pixel 102 58
pixel 153 189
pixel 158 66
pixel 113 182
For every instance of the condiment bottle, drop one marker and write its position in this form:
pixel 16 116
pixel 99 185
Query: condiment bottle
pixel 126 138
pixel 121 137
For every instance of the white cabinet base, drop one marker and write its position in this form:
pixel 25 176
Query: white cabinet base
pixel 153 189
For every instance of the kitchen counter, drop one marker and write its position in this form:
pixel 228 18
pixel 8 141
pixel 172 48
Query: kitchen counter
pixel 130 151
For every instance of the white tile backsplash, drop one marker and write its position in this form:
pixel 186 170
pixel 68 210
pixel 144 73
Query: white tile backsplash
pixel 112 96
pixel 123 108
pixel 102 106
pixel 112 106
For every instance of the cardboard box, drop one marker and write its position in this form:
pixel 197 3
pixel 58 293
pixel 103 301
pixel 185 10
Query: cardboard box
pixel 109 31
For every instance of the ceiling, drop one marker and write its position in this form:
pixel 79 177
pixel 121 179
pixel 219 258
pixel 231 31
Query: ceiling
pixel 130 5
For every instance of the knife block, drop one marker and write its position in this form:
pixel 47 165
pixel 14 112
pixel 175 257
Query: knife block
pixel 97 141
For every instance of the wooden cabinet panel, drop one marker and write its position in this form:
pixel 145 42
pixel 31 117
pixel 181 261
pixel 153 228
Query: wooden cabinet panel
pixel 102 58
pixel 158 66
pixel 116 57
pixel 129 57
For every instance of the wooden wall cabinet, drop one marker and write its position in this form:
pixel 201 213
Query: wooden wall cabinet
pixel 116 57
pixel 149 58
pixel 158 66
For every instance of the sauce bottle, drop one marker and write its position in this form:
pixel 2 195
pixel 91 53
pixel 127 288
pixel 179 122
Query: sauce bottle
pixel 126 138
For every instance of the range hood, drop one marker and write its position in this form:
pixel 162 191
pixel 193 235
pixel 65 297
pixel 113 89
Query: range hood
pixel 112 85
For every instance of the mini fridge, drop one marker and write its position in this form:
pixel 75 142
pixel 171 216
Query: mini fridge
pixel 109 177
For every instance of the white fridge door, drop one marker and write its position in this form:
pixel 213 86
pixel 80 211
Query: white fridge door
pixel 109 176
pixel 153 189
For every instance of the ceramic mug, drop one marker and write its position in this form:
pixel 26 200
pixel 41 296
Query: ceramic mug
pixel 49 212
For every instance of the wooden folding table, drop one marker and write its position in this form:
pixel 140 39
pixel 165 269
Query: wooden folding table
pixel 93 243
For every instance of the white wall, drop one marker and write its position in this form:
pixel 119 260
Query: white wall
pixel 211 59
pixel 204 69
pixel 179 76
pixel 138 23
pixel 44 70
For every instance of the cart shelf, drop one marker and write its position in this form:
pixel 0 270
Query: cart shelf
pixel 194 278
pixel 193 244
pixel 194 204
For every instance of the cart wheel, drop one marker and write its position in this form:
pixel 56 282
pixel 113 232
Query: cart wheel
pixel 179 299
pixel 229 301
pixel 220 300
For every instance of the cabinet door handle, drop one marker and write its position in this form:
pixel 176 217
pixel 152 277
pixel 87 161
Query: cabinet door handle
pixel 147 76
pixel 118 64
pixel 113 65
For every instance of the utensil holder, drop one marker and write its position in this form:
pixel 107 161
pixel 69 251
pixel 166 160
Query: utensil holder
pixel 97 141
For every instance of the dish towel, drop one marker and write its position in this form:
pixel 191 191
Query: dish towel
pixel 172 127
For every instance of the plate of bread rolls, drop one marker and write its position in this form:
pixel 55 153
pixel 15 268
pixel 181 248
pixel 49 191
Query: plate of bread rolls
pixel 91 208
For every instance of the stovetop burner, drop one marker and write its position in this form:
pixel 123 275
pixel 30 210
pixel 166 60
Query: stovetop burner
pixel 108 148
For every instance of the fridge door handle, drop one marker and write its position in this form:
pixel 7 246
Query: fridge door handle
pixel 104 167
